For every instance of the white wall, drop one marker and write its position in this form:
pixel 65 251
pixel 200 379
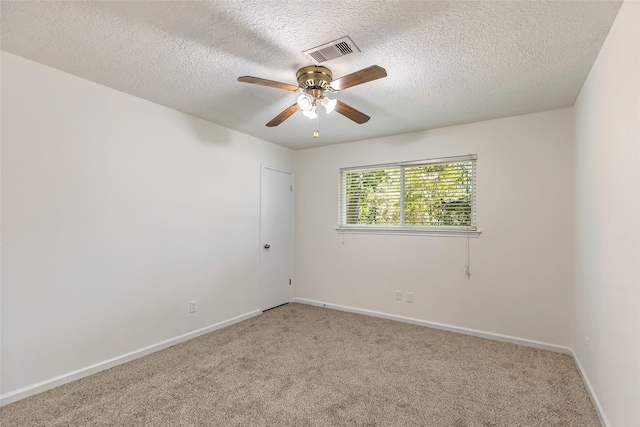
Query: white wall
pixel 520 265
pixel 116 212
pixel 606 294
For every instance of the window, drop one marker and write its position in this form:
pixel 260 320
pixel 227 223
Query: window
pixel 428 196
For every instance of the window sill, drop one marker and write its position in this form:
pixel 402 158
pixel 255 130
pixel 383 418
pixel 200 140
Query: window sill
pixel 409 231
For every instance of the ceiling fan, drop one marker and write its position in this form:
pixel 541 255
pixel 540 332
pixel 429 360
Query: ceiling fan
pixel 313 82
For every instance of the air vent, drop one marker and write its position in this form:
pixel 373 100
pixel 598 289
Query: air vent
pixel 332 50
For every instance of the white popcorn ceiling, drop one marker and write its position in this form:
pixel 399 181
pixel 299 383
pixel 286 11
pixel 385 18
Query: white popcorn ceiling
pixel 448 62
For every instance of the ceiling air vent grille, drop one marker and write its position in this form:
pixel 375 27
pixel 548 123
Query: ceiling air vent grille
pixel 332 50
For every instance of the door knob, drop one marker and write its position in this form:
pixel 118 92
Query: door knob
pixel 267 246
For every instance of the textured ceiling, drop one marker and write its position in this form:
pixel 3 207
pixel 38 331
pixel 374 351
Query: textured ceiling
pixel 448 62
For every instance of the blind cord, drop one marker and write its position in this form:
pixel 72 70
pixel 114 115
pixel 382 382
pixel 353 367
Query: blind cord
pixel 468 263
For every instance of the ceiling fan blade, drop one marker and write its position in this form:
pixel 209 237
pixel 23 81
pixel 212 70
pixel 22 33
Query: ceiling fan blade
pixel 363 76
pixel 351 113
pixel 265 82
pixel 283 116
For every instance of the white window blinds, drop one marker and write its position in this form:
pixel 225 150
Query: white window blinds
pixel 436 194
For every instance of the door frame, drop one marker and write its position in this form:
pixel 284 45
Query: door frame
pixel 260 233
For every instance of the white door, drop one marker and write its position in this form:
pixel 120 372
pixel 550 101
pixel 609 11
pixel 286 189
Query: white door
pixel 276 237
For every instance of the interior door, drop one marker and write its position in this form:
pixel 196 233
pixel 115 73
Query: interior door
pixel 276 237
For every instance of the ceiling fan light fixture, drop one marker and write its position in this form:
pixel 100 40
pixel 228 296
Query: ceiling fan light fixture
pixel 305 102
pixel 329 104
pixel 311 113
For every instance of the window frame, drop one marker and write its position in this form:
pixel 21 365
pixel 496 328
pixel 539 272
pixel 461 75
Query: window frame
pixel 402 229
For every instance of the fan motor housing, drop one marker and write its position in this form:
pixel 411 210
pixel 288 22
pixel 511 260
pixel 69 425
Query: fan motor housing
pixel 314 78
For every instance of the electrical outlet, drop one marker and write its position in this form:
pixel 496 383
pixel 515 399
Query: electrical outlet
pixel 192 307
pixel 398 295
pixel 587 344
pixel 409 296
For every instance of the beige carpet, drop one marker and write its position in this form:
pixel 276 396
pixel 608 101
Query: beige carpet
pixel 299 365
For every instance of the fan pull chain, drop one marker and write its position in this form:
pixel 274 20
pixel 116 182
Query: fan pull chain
pixel 316 133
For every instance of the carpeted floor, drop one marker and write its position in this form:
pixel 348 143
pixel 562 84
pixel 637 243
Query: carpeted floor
pixel 299 365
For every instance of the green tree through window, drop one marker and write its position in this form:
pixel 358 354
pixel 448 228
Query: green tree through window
pixel 412 195
pixel 372 197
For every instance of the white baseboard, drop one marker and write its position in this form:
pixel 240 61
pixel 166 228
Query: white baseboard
pixel 45 385
pixel 592 393
pixel 474 332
